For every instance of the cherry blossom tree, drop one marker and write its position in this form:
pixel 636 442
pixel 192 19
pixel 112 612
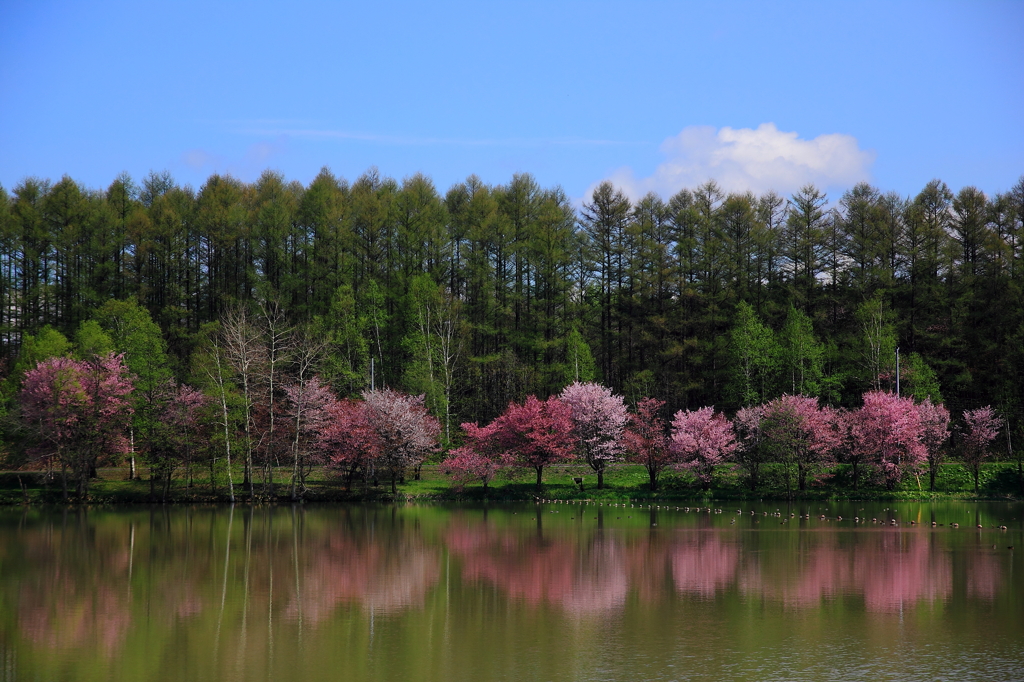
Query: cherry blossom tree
pixel 701 440
pixel 934 434
pixel 176 433
pixel 79 411
pixel 887 430
pixel 797 431
pixel 750 454
pixel 406 431
pixel 307 407
pixel 598 420
pixel 348 440
pixel 981 426
pixel 646 439
pixel 476 460
pixel 535 434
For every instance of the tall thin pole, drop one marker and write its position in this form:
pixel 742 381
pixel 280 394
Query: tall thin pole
pixel 897 370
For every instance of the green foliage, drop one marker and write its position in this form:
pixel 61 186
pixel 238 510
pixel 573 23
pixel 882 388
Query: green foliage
pixel 347 363
pixel 802 356
pixel 755 358
pixel 579 362
pixel 91 341
pixel 919 380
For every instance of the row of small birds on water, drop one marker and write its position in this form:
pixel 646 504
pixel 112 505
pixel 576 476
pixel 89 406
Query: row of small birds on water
pixel 709 510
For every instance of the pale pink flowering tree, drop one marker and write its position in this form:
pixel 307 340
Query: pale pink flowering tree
pixel 598 419
pixel 981 426
pixel 646 439
pixel 888 430
pixel 934 434
pixel 307 407
pixel 176 433
pixel 795 430
pixel 406 431
pixel 701 440
pixel 79 411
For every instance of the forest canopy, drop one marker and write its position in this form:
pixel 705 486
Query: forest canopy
pixel 486 294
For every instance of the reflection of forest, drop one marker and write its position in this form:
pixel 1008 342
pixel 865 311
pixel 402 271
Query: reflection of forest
pixel 85 581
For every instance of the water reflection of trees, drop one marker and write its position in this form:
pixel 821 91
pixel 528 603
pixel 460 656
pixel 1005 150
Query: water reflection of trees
pixel 85 582
pixel 592 571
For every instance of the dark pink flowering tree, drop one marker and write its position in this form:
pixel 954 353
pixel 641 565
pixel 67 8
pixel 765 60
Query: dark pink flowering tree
pixel 750 454
pixel 934 434
pixel 598 419
pixel 348 441
pixel 646 439
pixel 407 433
pixel 887 430
pixel 477 460
pixel 534 435
pixel 79 411
pixel 701 440
pixel 981 426
pixel 796 431
pixel 307 408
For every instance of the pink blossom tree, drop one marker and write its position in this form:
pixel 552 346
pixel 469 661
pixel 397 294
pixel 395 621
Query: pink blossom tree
pixel 79 411
pixel 406 431
pixel 750 454
pixel 175 434
pixel 797 431
pixel 477 460
pixel 535 434
pixel 887 430
pixel 598 420
pixel 348 440
pixel 646 439
pixel 701 440
pixel 981 426
pixel 934 434
pixel 307 407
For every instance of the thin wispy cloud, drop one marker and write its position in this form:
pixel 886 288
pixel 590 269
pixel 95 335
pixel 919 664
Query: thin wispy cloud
pixel 407 140
pixel 757 160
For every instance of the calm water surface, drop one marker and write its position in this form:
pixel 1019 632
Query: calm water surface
pixel 527 592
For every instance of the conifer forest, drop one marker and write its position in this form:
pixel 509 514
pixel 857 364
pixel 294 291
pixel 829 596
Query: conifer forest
pixel 484 295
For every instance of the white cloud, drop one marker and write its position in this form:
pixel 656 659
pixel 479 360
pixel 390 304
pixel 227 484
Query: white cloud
pixel 747 159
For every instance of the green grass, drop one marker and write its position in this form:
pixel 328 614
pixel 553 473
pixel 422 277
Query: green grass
pixel 999 480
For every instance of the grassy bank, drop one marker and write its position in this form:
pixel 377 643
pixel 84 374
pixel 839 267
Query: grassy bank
pixel 111 486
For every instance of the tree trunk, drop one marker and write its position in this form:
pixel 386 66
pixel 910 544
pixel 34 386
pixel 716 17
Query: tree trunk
pixel 600 479
pixel 394 484
pixel 539 469
pixel 654 479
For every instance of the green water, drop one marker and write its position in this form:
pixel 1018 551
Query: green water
pixel 514 592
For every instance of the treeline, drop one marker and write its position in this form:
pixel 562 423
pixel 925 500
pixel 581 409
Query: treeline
pixel 487 294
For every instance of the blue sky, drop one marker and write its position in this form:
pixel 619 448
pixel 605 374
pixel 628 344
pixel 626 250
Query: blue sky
pixel 653 95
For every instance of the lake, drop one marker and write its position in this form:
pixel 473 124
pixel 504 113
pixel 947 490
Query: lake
pixel 737 591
